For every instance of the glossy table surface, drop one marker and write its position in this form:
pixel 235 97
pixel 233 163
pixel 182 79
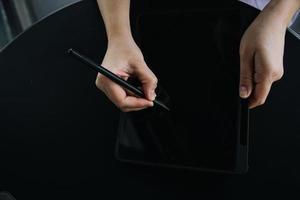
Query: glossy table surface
pixel 58 132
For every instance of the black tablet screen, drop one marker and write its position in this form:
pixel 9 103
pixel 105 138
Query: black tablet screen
pixel 195 57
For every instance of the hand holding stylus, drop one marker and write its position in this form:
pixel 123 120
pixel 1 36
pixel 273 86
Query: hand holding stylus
pixel 124 59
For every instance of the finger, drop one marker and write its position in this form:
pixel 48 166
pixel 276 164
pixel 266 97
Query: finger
pixel 133 109
pixel 100 77
pixel 260 94
pixel 246 74
pixel 98 81
pixel 142 105
pixel 148 80
pixel 120 98
pixel 265 74
pixel 135 103
pixel 113 91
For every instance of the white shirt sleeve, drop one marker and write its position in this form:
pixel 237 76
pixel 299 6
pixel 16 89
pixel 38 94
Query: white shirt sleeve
pixel 259 4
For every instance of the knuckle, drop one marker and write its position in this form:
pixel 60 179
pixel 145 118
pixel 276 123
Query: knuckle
pixel 99 82
pixel 257 101
pixel 120 104
pixel 246 77
pixel 264 77
pixel 138 62
pixel 259 48
pixel 261 102
pixel 277 74
pixel 155 80
pixel 99 85
pixel 243 51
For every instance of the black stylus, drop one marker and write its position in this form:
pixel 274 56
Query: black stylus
pixel 113 77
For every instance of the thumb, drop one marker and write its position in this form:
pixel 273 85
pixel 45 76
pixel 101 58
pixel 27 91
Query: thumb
pixel 148 80
pixel 246 76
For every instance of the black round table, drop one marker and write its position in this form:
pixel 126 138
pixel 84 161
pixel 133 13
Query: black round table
pixel 58 132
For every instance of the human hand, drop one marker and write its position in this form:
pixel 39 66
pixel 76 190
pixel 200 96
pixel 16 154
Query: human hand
pixel 261 56
pixel 262 48
pixel 124 58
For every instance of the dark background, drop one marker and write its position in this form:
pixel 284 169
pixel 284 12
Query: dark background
pixel 57 131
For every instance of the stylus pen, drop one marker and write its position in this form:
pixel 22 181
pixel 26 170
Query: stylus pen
pixel 114 77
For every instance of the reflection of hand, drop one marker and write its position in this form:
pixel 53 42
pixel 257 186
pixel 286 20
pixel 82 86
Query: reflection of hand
pixel 261 52
pixel 124 58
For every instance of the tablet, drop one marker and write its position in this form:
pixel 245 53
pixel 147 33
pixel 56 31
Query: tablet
pixel 195 58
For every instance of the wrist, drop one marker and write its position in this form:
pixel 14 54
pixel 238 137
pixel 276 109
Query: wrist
pixel 282 11
pixel 121 40
pixel 119 35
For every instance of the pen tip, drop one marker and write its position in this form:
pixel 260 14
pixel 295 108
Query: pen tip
pixel 161 105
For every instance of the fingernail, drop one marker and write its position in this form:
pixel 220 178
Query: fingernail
pixel 152 96
pixel 243 92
